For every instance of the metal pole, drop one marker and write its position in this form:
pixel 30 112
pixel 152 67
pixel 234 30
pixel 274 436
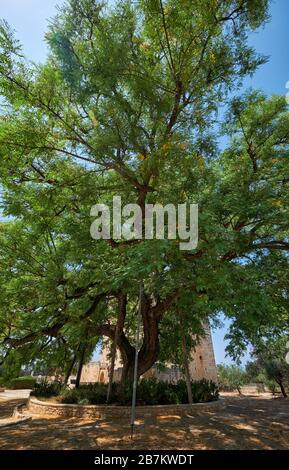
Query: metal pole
pixel 135 375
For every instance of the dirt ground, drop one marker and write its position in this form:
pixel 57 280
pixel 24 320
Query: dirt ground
pixel 245 423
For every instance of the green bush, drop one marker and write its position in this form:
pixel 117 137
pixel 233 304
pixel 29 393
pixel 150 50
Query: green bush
pixel 204 390
pixel 154 392
pixel 149 392
pixel 2 382
pixel 22 383
pixel 95 394
pixel 45 389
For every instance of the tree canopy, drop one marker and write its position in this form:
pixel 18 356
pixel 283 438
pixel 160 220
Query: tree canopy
pixel 127 104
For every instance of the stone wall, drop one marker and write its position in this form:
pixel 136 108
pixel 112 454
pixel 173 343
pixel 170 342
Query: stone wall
pixel 41 408
pixel 203 363
pixel 94 372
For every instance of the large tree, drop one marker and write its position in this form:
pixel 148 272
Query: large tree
pixel 126 105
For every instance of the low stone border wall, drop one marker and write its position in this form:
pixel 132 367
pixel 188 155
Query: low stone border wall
pixel 114 412
pixel 16 418
pixel 10 422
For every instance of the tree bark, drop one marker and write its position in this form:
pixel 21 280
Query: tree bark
pixel 283 391
pixel 185 355
pixel 80 366
pixel 111 371
pixel 122 302
pixel 187 369
pixel 150 347
pixel 149 350
pixel 69 370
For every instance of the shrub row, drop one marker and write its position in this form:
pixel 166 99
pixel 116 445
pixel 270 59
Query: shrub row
pixel 92 394
pixel 149 392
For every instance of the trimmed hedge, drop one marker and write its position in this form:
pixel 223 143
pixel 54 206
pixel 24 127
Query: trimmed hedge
pixel 149 392
pixel 22 382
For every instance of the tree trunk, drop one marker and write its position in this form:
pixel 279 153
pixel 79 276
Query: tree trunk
pixel 149 350
pixel 111 371
pixel 119 325
pixel 80 366
pixel 282 389
pixel 150 347
pixel 127 371
pixel 187 369
pixel 185 355
pixel 69 371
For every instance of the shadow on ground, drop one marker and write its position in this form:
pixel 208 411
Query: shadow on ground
pixel 245 423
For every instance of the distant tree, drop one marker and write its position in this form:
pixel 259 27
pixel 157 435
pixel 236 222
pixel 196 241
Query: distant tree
pixel 270 364
pixel 256 374
pixel 279 371
pixel 231 377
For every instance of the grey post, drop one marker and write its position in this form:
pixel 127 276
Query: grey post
pixel 135 375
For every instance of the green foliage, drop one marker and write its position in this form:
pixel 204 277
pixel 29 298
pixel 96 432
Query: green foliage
pixel 2 382
pixel 265 374
pixel 231 377
pixel 11 367
pixel 272 386
pixel 126 105
pixel 277 370
pixel 95 394
pixel 204 390
pixel 149 392
pixel 270 366
pixel 46 389
pixel 19 383
pixel 153 392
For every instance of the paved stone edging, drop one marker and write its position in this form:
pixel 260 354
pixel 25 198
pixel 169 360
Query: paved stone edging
pixel 14 422
pixel 16 418
pixel 113 412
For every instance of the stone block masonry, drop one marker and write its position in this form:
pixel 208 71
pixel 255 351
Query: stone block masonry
pixel 104 412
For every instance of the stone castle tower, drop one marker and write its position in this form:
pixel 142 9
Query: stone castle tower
pixel 202 365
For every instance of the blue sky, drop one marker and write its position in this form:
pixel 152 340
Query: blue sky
pixel 29 19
